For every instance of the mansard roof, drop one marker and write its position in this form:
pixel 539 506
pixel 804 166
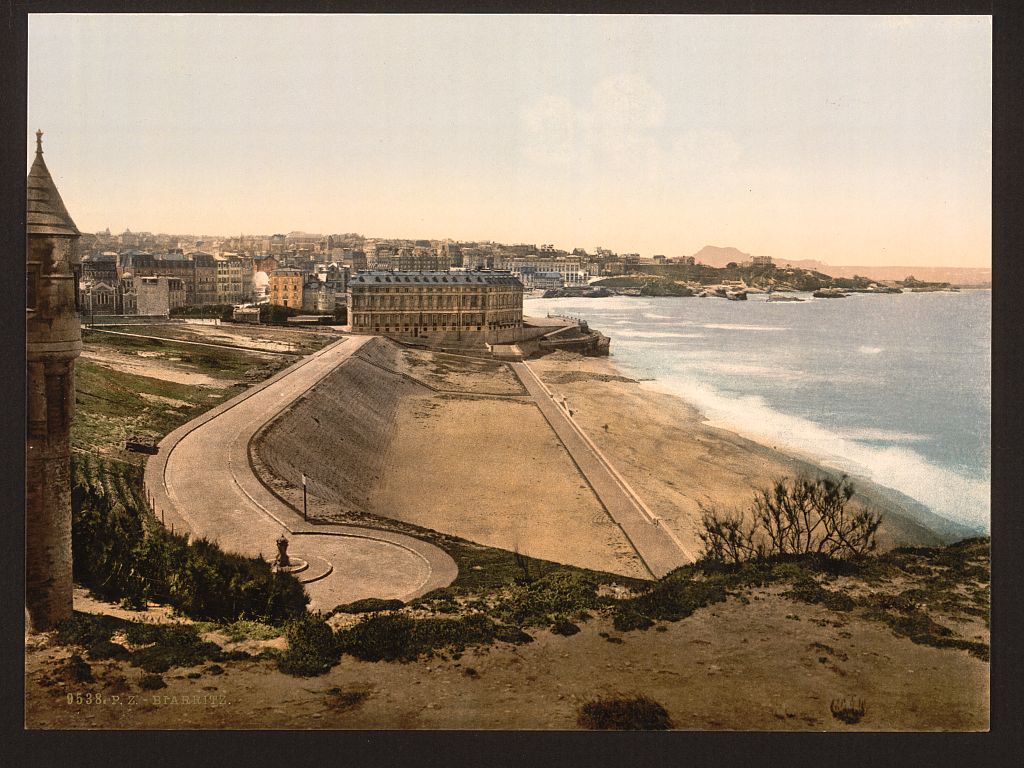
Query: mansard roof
pixel 420 278
pixel 45 211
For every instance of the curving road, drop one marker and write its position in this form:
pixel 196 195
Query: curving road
pixel 202 484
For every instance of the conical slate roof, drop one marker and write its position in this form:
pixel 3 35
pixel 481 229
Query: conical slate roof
pixel 45 214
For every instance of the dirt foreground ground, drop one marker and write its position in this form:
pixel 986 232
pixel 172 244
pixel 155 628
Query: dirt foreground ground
pixel 760 662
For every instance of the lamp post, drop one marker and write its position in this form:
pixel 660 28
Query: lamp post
pixel 305 516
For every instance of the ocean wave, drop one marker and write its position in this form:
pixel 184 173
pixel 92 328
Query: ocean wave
pixel 774 372
pixel 954 496
pixel 741 327
pixel 658 335
pixel 882 435
pixel 869 350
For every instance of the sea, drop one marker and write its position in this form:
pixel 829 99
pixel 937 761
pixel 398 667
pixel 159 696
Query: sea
pixel 893 387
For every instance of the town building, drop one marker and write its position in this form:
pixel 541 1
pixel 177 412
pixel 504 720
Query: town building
pixel 197 271
pixel 543 281
pixel 159 295
pixel 98 297
pixel 266 264
pixel 286 287
pixel 570 268
pixel 204 267
pixel 249 314
pixel 470 305
pixel 234 279
pixel 100 267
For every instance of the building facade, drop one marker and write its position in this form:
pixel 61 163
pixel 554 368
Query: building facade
pixel 571 268
pixel 53 342
pixel 286 287
pixel 425 303
pixel 234 279
pixel 159 295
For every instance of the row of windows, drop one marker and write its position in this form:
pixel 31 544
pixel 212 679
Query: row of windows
pixel 414 303
pixel 414 329
pixel 420 288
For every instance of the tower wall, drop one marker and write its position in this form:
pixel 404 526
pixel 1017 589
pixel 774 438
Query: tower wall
pixel 53 342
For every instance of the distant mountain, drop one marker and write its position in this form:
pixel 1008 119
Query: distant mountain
pixel 715 256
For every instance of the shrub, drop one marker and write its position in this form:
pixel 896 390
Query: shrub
pixel 563 592
pixel 152 682
pixel 339 699
pixel 105 649
pixel 75 670
pixel 121 553
pixel 312 647
pixel 509 634
pixel 624 713
pixel 849 712
pixel 275 314
pixel 800 516
pixel 369 605
pixel 86 629
pixel 626 620
pixel 807 590
pixel 398 637
pixel 174 646
pixel 379 638
pixel 675 597
pixel 251 630
pixel 562 626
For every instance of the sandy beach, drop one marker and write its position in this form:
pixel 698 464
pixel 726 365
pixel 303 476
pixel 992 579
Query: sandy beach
pixel 679 463
pixel 454 444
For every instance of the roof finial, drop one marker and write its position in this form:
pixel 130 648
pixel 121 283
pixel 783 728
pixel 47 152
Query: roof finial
pixel 39 142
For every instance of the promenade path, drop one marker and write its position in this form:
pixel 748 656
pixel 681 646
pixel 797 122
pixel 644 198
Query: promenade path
pixel 202 484
pixel 656 545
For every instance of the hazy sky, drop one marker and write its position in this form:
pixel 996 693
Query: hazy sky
pixel 854 140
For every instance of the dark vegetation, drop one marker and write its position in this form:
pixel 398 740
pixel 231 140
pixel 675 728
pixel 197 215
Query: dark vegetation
pixel 849 712
pixel 369 605
pixel 223 312
pixel 794 517
pixel 275 314
pixel 122 553
pixel 312 647
pixel 624 713
pixel 155 648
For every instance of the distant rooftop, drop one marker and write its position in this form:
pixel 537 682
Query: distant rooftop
pixel 419 278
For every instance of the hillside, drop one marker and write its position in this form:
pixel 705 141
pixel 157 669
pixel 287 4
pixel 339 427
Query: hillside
pixel 897 644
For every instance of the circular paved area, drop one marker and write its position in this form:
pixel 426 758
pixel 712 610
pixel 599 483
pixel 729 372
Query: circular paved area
pixel 202 484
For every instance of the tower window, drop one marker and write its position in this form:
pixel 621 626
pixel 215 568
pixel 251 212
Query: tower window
pixel 32 286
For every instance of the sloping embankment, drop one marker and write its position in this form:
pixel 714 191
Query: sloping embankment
pixel 338 433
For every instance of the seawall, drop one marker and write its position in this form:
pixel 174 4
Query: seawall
pixel 338 433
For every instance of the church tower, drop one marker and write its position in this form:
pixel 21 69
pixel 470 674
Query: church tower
pixel 54 340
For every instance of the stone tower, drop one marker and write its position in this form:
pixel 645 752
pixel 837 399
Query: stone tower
pixel 54 340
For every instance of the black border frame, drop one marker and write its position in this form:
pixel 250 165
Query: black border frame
pixel 1004 745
